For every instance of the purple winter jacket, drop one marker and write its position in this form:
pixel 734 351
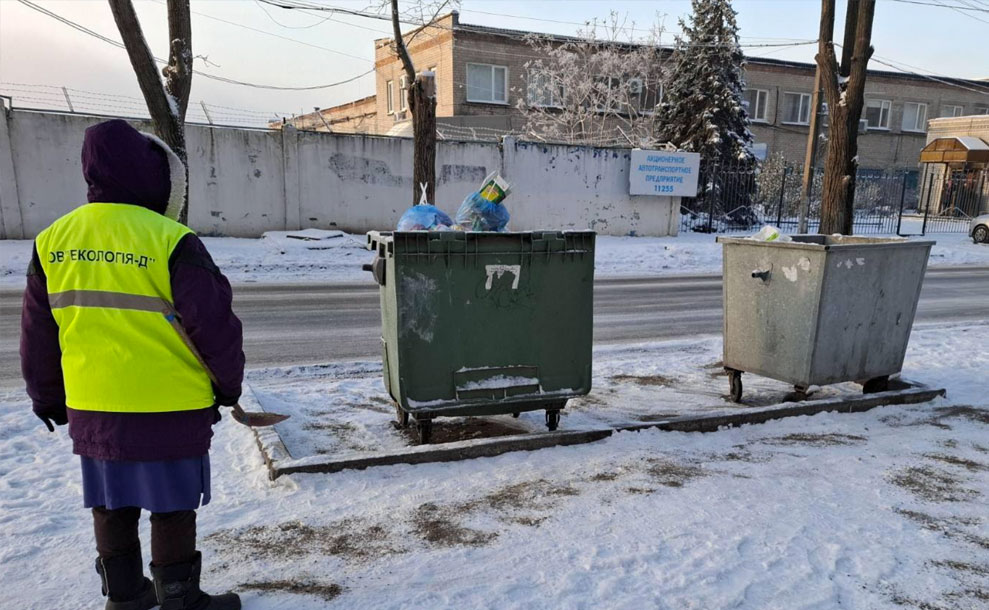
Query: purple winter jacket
pixel 123 166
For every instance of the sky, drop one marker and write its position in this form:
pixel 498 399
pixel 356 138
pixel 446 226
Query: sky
pixel 258 43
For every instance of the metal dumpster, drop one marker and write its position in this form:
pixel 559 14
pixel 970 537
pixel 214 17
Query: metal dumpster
pixel 484 323
pixel 820 309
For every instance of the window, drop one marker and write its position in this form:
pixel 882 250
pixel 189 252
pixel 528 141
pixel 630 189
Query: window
pixel 796 108
pixel 914 117
pixel 607 93
pixel 403 93
pixel 877 114
pixel 542 91
pixel 390 96
pixel 756 102
pixel 951 110
pixel 982 110
pixel 650 98
pixel 487 84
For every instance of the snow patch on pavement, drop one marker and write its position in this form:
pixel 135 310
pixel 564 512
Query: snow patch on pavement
pixel 883 509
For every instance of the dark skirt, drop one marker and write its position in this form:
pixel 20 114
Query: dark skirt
pixel 160 486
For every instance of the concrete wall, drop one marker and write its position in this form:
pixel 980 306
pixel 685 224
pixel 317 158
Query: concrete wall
pixel 244 182
pixel 582 188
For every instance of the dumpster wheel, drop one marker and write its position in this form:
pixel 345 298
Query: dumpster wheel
pixel 552 419
pixel 401 417
pixel 876 384
pixel 734 384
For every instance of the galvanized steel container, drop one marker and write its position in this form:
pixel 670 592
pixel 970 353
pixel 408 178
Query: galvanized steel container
pixel 820 309
pixel 484 323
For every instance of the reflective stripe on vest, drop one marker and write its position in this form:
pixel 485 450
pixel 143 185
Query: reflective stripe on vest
pixel 109 288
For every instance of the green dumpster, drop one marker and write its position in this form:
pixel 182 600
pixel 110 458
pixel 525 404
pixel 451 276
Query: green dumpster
pixel 484 323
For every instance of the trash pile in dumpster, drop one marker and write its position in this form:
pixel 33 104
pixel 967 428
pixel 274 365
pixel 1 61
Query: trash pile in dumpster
pixel 481 210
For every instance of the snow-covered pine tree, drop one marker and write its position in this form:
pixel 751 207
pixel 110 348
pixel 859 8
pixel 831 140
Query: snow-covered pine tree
pixel 702 107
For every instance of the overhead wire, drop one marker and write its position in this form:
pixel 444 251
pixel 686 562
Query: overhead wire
pixel 272 34
pixel 290 27
pixel 958 9
pixel 935 3
pixel 951 81
pixel 300 5
pixel 222 79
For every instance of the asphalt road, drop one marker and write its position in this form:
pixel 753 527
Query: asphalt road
pixel 296 324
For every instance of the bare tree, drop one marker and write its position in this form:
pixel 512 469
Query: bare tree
pixel 421 94
pixel 844 89
pixel 166 102
pixel 601 88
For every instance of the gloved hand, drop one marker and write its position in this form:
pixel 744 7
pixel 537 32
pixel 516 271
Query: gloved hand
pixel 60 420
pixel 225 400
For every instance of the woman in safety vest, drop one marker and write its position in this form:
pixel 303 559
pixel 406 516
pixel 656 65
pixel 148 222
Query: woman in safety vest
pixel 115 290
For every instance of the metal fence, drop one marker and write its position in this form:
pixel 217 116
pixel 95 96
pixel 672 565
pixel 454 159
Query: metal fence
pixel 735 199
pixel 949 199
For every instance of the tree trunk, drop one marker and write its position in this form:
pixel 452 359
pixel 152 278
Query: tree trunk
pixel 422 105
pixel 167 103
pixel 838 189
pixel 848 43
pixel 845 109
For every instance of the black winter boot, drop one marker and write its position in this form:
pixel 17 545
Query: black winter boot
pixel 177 588
pixel 124 583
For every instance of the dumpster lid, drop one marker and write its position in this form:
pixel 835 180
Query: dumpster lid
pixel 826 242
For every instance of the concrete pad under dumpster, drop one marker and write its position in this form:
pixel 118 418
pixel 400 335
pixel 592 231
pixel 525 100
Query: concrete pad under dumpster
pixel 342 418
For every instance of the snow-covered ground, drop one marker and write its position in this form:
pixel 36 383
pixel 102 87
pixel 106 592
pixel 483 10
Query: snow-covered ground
pixel 884 509
pixel 278 258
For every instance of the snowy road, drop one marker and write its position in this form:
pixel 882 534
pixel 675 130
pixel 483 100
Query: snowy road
pixel 305 324
pixel 300 324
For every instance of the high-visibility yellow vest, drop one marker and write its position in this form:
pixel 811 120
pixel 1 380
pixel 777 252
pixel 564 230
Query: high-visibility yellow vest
pixel 110 292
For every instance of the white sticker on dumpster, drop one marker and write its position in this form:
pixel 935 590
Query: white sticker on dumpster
pixel 500 270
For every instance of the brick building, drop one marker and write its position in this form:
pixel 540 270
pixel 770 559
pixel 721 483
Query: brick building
pixel 481 78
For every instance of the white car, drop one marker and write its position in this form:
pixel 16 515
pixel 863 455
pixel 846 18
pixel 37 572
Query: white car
pixel 979 229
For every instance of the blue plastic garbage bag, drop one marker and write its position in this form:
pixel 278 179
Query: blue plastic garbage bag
pixel 424 217
pixel 478 214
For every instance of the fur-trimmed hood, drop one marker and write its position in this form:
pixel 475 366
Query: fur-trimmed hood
pixel 123 165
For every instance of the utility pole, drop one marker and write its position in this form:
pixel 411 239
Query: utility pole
pixel 811 153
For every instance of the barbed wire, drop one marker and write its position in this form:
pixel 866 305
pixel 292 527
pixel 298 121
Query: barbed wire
pixel 65 99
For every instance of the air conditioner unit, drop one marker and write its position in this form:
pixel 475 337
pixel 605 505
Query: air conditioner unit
pixel 635 85
pixel 399 116
pixel 863 125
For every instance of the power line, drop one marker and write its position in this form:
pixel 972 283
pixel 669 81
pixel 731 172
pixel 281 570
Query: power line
pixel 222 79
pixel 298 5
pixel 942 5
pixel 631 28
pixel 279 36
pixel 929 77
pixel 958 9
pixel 951 83
pixel 290 27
